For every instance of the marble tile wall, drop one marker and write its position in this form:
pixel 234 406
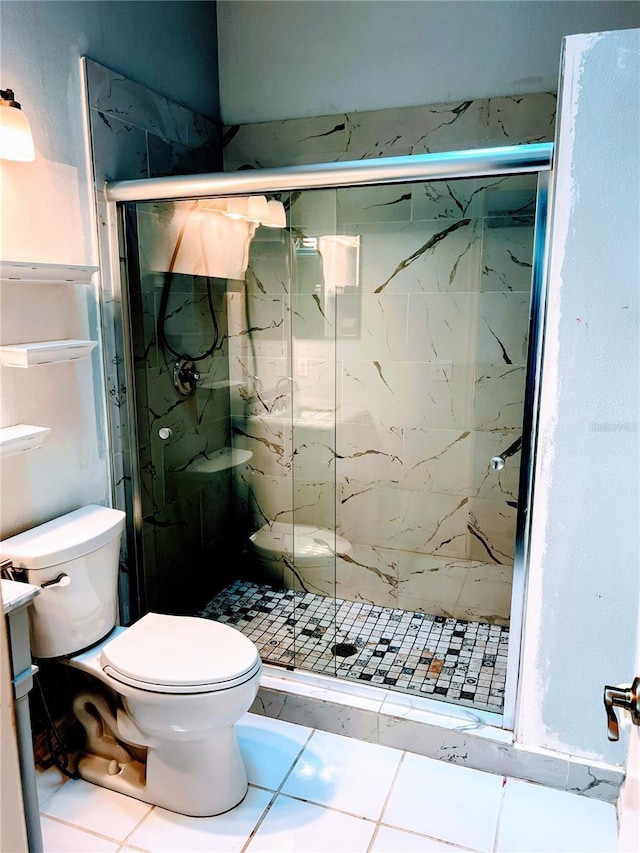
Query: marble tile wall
pixel 137 133
pixel 432 386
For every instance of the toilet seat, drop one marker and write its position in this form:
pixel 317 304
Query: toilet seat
pixel 180 654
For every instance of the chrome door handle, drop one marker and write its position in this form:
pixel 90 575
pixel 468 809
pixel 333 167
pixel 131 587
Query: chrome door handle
pixel 627 698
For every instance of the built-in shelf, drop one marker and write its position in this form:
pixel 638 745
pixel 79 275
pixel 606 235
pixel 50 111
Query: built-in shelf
pixel 16 439
pixel 44 352
pixel 219 460
pixel 46 273
pixel 221 384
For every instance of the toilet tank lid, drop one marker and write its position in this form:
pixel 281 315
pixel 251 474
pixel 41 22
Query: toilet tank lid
pixel 63 539
pixel 180 652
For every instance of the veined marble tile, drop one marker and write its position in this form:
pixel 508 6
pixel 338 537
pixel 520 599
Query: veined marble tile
pixel 165 407
pixel 269 269
pixel 215 507
pixel 429 584
pixel 392 132
pixel 368 574
pixel 269 438
pixel 264 321
pixel 415 130
pixel 314 456
pixel 443 327
pixel 521 118
pixel 437 460
pixel 406 394
pixel 383 514
pixel 172 158
pixel 474 197
pixel 314 212
pixel 386 203
pixel 512 195
pixel 486 594
pixel 383 329
pixel 315 503
pixel 118 161
pixel 492 530
pixel 257 378
pixel 181 457
pixel 497 485
pixel 420 257
pixel 498 397
pixel 111 93
pixel 205 134
pixel 312 316
pixel 369 450
pixel 283 499
pixel 151 477
pixel 503 326
pixel 507 254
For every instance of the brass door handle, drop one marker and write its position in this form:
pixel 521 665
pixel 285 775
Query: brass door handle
pixel 627 698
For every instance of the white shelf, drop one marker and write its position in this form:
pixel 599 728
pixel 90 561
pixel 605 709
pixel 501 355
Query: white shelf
pixel 46 273
pixel 44 352
pixel 16 439
pixel 219 460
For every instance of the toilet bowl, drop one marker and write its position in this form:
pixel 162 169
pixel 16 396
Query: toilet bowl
pixel 298 556
pixel 164 695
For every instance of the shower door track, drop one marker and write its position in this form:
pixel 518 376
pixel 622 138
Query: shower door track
pixel 449 165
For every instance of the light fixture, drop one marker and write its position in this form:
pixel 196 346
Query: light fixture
pixel 16 141
pixel 276 215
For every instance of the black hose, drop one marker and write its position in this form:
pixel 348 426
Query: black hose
pixel 62 762
pixel 162 319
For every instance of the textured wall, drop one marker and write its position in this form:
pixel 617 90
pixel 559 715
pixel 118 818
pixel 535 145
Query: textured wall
pixel 48 215
pixel 583 589
pixel 293 59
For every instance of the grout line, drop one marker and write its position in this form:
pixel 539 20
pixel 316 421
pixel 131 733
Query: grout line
pixel 391 787
pixel 275 793
pixel 82 828
pixel 151 809
pixel 331 808
pixel 503 793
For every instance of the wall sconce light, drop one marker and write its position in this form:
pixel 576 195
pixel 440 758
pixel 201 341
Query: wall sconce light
pixel 16 140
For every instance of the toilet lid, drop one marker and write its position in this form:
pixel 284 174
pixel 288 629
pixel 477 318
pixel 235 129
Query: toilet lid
pixel 180 654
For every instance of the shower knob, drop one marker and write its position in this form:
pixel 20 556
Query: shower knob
pixel 165 433
pixel 497 463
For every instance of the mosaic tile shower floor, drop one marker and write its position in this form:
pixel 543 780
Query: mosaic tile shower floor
pixel 448 659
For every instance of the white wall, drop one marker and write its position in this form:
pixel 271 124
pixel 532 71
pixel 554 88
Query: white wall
pixel 582 606
pixel 293 59
pixel 169 46
pixel 46 215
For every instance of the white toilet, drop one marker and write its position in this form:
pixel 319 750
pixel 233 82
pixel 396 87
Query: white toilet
pixel 163 731
pixel 298 556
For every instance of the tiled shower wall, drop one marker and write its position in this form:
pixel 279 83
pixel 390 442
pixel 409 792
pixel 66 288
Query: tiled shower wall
pixel 431 387
pixel 137 133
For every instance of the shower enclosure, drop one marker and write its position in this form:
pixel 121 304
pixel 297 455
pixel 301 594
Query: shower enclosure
pixel 334 373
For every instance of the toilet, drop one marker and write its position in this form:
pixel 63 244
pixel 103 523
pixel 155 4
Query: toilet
pixel 298 556
pixel 168 690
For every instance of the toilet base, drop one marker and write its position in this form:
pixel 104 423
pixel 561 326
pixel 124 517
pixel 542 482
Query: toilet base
pixel 198 778
pixel 130 779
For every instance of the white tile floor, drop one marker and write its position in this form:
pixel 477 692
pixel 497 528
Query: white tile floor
pixel 314 792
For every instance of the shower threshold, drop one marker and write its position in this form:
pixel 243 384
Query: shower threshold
pixel 453 660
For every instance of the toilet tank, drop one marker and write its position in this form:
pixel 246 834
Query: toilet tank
pixel 74 561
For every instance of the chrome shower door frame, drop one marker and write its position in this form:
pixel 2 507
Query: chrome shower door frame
pixel 488 162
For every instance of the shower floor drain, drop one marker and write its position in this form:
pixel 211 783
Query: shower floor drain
pixel 344 650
